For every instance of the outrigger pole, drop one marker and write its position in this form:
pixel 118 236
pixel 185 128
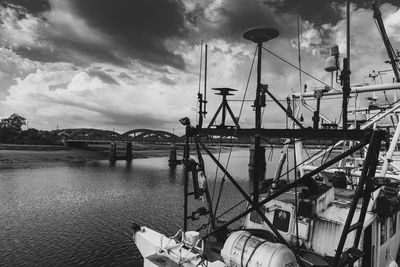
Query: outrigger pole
pixel 393 59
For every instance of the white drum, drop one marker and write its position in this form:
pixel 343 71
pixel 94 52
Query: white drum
pixel 243 249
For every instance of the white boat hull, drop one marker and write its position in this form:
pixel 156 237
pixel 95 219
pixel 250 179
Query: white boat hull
pixel 159 250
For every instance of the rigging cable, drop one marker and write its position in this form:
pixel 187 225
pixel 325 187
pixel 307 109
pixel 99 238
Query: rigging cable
pixel 298 48
pixel 292 65
pixel 282 175
pixel 294 148
pixel 299 164
pixel 230 151
pixel 295 200
pixel 216 170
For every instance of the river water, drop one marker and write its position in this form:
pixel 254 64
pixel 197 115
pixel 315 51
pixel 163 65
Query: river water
pixel 81 213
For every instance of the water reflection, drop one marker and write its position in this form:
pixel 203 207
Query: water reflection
pixel 80 214
pixel 172 174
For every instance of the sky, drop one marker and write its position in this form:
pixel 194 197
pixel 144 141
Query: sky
pixel 128 64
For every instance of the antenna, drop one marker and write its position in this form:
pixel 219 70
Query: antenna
pixel 199 95
pixel 224 107
pixel 202 102
pixel 205 82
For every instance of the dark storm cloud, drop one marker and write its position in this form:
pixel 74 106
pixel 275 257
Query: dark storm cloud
pixel 125 76
pixel 232 18
pixel 139 28
pixel 144 30
pixel 106 78
pixel 167 81
pixel 32 6
pixel 317 11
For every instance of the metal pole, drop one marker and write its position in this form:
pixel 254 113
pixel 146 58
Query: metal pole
pixel 257 139
pixel 205 82
pixel 390 151
pixel 346 69
pixel 348 30
pixel 186 179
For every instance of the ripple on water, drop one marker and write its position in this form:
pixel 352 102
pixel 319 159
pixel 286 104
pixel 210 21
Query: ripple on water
pixel 81 214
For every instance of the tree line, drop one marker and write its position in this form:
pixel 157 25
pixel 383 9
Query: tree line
pixel 11 132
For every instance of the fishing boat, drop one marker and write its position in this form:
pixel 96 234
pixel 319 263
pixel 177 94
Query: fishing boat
pixel 343 211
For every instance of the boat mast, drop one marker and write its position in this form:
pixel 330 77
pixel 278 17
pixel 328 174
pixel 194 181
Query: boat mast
pixel 257 139
pixel 345 75
pixel 259 36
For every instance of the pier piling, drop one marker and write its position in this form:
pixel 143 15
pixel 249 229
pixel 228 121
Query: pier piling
pixel 113 152
pixel 262 159
pixel 129 154
pixel 173 161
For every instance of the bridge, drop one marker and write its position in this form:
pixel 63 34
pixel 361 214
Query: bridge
pixel 82 137
pixel 99 136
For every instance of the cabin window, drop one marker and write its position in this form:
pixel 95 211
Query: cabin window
pixel 255 217
pixel 281 220
pixel 383 231
pixel 392 225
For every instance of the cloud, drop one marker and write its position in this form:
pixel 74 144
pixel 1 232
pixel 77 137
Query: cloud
pixel 13 66
pixel 103 76
pixel 229 19
pixel 94 98
pixel 84 32
pixel 141 28
pixel 118 80
pixel 320 12
pixel 34 7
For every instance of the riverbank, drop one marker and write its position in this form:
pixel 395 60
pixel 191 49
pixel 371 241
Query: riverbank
pixel 16 156
pixel 20 156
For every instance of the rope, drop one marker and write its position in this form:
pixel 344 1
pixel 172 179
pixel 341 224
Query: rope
pixel 243 249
